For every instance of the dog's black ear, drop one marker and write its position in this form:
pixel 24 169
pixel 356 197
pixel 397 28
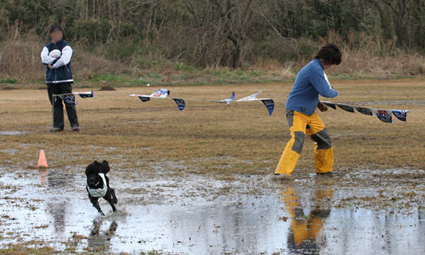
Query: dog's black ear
pixel 105 167
pixel 90 169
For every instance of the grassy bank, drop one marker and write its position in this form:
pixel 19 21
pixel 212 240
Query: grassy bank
pixel 20 65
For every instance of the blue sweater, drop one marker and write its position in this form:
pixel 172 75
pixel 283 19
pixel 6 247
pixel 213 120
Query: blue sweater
pixel 310 82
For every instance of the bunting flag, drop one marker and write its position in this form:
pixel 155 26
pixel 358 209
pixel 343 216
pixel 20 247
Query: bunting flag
pixel 180 103
pixel 84 94
pixel 331 105
pixel 69 98
pixel 161 93
pixel 346 107
pixel 227 101
pixel 249 98
pixel 382 114
pixel 268 102
pixel 400 114
pixel 365 111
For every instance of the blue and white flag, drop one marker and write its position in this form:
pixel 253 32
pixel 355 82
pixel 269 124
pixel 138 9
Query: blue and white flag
pixel 249 98
pixel 180 103
pixel 69 99
pixel 84 94
pixel 160 93
pixel 400 114
pixel 268 102
pixel 227 101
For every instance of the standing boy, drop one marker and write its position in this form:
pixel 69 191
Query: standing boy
pixel 59 79
pixel 311 82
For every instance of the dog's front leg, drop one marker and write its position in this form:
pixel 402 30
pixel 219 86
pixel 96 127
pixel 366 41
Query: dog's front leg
pixel 114 197
pixel 110 200
pixel 95 203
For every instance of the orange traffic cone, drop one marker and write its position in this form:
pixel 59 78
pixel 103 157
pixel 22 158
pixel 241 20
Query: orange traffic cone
pixel 42 159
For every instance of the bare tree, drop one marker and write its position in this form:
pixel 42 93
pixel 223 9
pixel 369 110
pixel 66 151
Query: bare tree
pixel 399 7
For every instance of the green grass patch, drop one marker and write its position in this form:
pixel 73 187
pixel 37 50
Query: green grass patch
pixel 9 81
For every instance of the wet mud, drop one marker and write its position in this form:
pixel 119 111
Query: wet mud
pixel 172 212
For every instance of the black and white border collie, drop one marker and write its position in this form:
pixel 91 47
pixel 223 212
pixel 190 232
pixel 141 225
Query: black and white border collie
pixel 98 185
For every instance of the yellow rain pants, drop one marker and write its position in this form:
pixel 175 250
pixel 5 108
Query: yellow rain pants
pixel 300 125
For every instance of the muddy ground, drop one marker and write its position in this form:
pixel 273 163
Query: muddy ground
pixel 171 212
pixel 198 181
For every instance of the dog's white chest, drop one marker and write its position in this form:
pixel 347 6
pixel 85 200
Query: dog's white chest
pixel 99 192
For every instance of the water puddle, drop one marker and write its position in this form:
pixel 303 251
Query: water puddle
pixel 192 214
pixel 4 133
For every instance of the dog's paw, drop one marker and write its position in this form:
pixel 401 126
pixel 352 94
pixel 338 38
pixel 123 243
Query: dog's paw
pixel 122 212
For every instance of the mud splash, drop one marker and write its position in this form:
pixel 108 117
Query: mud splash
pixel 193 214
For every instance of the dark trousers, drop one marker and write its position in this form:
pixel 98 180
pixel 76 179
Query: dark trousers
pixel 61 88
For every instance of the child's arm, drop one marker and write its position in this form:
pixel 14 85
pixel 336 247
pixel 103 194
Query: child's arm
pixel 65 57
pixel 45 58
pixel 320 81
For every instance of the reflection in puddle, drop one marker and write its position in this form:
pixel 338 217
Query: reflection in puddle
pixel 306 228
pixel 42 174
pixel 285 218
pixel 99 240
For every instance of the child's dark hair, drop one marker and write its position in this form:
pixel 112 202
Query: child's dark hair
pixel 53 28
pixel 330 54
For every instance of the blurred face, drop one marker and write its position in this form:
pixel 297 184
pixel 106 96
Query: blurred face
pixel 56 35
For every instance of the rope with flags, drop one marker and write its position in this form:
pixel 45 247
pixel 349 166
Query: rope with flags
pixel 385 115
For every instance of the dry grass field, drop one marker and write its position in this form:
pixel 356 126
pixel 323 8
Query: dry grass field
pixel 211 138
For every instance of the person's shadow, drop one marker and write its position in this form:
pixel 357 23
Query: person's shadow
pixel 101 240
pixel 306 229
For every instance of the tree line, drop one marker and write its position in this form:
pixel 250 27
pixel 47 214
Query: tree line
pixel 207 33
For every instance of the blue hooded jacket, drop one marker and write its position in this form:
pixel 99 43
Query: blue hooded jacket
pixel 311 82
pixel 61 67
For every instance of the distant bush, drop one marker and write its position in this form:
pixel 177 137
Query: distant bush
pixel 170 38
pixel 8 81
pixel 211 33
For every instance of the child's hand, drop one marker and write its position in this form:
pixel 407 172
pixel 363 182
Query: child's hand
pixel 322 107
